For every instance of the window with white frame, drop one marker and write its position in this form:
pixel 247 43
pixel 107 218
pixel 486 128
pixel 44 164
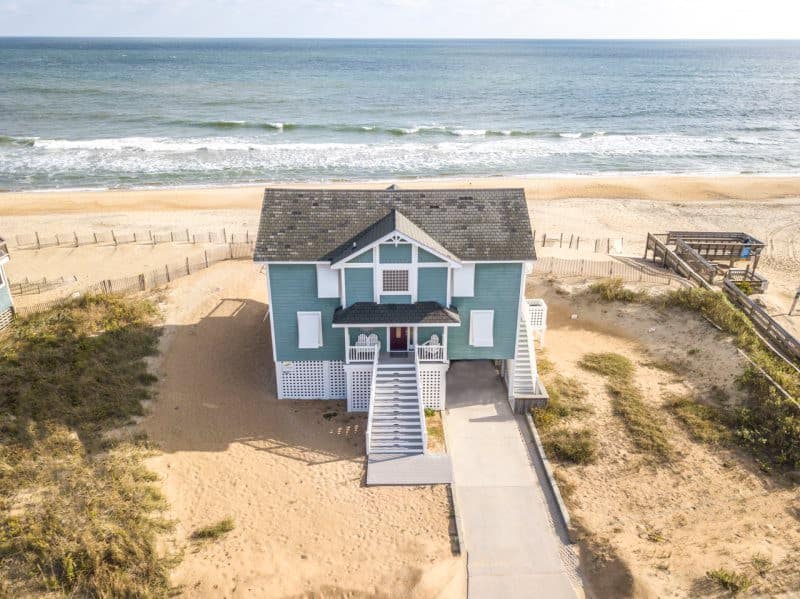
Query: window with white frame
pixel 309 330
pixel 395 281
pixel 481 328
pixel 464 281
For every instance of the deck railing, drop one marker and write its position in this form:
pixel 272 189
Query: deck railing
pixel 372 384
pixel 421 405
pixel 430 353
pixel 536 317
pixel 362 353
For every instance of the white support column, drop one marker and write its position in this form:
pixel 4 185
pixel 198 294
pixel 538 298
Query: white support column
pixel 444 340
pixel 413 273
pixel 347 345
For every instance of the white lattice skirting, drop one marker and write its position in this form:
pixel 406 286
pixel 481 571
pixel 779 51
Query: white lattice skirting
pixel 433 384
pixel 6 316
pixel 311 380
pixel 359 380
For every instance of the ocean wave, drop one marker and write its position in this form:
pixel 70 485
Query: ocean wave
pixel 17 141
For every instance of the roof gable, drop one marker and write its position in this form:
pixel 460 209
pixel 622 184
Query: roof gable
pixel 321 225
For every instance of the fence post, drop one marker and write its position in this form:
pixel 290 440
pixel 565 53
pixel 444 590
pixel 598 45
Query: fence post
pixel 544 239
pixel 561 241
pixel 166 269
pixel 150 234
pixel 58 241
pixel 209 237
pixel 608 246
pixel 114 237
pixel 187 235
pixel 171 236
pixel 75 235
pixel 38 243
pixel 205 254
pixel 187 265
pixel 578 243
pixel 596 241
pixel 224 235
pixel 247 235
pixel 95 238
pixel 134 237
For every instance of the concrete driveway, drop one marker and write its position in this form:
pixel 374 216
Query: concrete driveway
pixel 507 528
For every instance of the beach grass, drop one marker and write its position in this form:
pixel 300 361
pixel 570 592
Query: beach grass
pixel 644 425
pixel 80 512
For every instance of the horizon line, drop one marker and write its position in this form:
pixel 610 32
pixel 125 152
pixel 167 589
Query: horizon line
pixel 407 38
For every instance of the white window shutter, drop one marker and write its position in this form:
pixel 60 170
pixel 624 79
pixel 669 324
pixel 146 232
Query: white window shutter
pixel 464 281
pixel 481 328
pixel 327 281
pixel 309 330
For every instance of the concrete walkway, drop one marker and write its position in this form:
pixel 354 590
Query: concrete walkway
pixel 513 548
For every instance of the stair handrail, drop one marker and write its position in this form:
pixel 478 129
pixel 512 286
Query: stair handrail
pixel 421 407
pixel 372 384
pixel 531 351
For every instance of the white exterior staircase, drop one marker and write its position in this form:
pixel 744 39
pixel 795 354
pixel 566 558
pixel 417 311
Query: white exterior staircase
pixel 397 421
pixel 526 373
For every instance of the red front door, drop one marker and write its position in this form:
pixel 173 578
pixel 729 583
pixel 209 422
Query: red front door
pixel 398 339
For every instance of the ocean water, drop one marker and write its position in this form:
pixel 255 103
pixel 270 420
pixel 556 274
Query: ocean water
pixel 80 113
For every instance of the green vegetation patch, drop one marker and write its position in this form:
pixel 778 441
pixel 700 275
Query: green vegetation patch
pixel 575 446
pixel 704 423
pixel 214 531
pixel 735 582
pixel 78 513
pixel 614 290
pixel 566 402
pixel 645 426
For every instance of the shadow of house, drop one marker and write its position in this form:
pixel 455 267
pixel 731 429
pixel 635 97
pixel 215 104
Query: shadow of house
pixel 217 389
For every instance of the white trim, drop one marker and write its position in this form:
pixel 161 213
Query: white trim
pixel 395 237
pixel 305 314
pixel 271 313
pixel 343 296
pixel 473 337
pixel 375 325
pixel 409 288
pixel 356 265
pixel 327 279
pixel 292 261
pixel 413 283
pixel 466 281
pixel 494 261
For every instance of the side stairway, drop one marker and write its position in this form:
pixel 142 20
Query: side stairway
pixel 524 382
pixel 396 418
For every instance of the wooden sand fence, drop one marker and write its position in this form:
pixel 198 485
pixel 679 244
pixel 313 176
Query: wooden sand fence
pixel 37 240
pixel 627 270
pixel 571 241
pixel 153 279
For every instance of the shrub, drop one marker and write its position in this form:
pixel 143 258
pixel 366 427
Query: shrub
pixel 735 582
pixel 213 531
pixel 576 446
pixel 609 365
pixel 613 290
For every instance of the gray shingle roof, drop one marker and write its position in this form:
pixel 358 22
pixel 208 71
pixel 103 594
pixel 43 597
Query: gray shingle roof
pixel 370 313
pixel 310 225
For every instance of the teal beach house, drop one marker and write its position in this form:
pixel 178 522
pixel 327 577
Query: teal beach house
pixel 6 303
pixel 372 293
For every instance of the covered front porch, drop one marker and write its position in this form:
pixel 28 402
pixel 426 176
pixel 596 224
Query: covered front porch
pixel 395 333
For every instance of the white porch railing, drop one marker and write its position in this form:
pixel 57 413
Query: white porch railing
pixel 421 405
pixel 372 384
pixel 430 353
pixel 362 353
pixel 536 317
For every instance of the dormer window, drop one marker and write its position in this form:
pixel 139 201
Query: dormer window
pixel 395 281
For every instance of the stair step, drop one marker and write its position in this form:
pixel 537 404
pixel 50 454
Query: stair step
pixel 398 447
pixel 400 437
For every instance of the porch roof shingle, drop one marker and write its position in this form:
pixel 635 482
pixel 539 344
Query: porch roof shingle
pixel 321 225
pixel 419 313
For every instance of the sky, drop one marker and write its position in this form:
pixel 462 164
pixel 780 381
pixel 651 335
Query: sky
pixel 404 18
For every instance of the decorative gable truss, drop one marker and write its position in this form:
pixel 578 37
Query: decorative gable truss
pixel 396 277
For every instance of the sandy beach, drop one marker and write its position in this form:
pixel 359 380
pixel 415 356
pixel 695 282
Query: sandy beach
pixel 664 188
